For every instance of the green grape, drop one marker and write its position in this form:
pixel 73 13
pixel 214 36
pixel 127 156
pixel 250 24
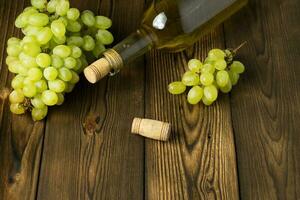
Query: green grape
pixel 195 95
pixel 35 74
pixel 65 74
pixel 17 82
pixel 41 86
pixel 88 18
pixel 220 64
pixel 75 77
pixel 39 4
pixel 206 101
pixel 50 73
pixel 69 87
pixel 22 20
pixel 16 67
pixel 59 40
pixel 102 22
pixel 37 102
pixel 73 14
pixel 13 50
pixel 29 90
pixel 234 77
pixel 31 49
pixel 29 39
pixel 61 99
pixel 62 51
pixel 208 68
pixel 62 7
pixel 99 49
pixel 39 113
pixel 75 40
pixel 195 65
pixel 57 85
pixel 10 59
pixel 73 26
pixel 49 97
pixel 222 78
pixel 44 36
pixel 38 19
pixel 88 43
pixel 31 30
pixel 227 88
pixel 216 54
pixel 51 6
pixel 43 60
pixel 237 67
pixel 206 78
pixel 105 37
pixel 57 61
pixel 13 40
pixel 16 96
pixel 17 108
pixel 211 92
pixel 190 78
pixel 176 88
pixel 70 62
pixel 13 68
pixel 58 28
pixel 76 52
pixel 27 61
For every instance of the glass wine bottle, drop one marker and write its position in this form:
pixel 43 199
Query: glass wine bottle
pixel 172 25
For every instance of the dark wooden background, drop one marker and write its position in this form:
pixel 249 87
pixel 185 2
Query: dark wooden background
pixel 245 146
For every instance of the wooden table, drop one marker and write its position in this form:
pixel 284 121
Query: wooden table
pixel 245 146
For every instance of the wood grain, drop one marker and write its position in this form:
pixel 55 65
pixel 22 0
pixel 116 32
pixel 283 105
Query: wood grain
pixel 265 105
pixel 89 152
pixel 199 161
pixel 20 139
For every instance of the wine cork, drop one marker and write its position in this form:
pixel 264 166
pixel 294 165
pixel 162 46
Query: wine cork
pixel 97 70
pixel 153 129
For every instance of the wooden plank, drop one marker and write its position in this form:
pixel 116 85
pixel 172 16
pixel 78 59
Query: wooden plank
pixel 89 152
pixel 265 105
pixel 20 139
pixel 199 160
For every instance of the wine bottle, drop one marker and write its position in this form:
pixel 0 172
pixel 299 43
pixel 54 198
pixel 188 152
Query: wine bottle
pixel 171 25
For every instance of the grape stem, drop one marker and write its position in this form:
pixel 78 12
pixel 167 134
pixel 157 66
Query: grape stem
pixel 239 47
pixel 231 53
pixel 27 104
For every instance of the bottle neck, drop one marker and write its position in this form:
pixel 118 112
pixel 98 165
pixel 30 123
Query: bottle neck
pixel 123 53
pixel 134 46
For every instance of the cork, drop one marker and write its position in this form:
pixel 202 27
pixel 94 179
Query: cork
pixel 97 70
pixel 152 129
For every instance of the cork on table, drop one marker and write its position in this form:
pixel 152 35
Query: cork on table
pixel 245 146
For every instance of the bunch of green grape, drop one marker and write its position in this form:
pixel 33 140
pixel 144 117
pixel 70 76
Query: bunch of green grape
pixel 52 53
pixel 218 73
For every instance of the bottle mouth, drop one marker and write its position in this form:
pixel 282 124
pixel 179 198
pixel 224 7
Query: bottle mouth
pixel 114 59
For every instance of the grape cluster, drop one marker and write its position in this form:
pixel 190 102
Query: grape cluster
pixel 218 73
pixel 48 59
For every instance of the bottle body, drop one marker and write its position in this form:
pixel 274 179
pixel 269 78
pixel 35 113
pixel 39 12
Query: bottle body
pixel 171 25
pixel 176 24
